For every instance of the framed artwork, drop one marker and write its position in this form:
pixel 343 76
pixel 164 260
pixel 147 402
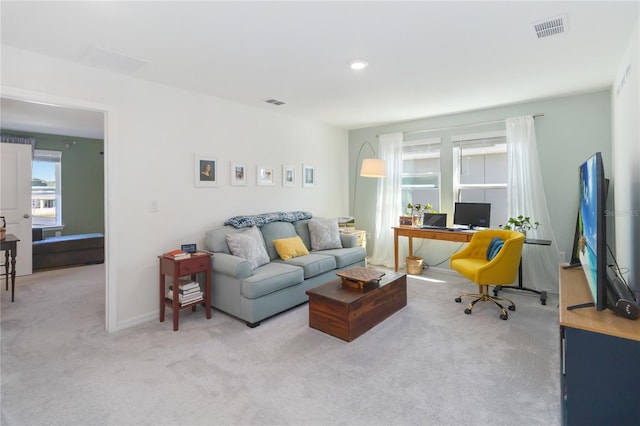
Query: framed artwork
pixel 206 171
pixel 238 174
pixel 308 176
pixel 288 175
pixel 264 176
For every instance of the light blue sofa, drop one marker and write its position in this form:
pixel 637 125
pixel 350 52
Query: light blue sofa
pixel 254 295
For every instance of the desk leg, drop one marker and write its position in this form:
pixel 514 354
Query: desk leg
pixel 13 273
pixel 6 269
pixel 161 291
pixel 176 298
pixel 207 293
pixel 543 294
pixel 395 247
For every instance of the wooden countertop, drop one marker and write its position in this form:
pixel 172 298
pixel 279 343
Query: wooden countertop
pixel 573 291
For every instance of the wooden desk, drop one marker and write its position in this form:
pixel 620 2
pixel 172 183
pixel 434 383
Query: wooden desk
pixel 9 245
pixel 431 234
pixel 599 353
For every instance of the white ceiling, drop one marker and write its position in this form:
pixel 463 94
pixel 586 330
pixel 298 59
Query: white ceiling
pixel 426 58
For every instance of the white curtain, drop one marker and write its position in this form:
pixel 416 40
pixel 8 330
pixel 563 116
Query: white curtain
pixel 389 199
pixel 526 196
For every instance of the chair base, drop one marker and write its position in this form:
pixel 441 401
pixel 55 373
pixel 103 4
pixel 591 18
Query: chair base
pixel 485 297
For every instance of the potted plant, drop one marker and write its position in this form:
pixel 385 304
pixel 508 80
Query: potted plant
pixel 416 210
pixel 520 224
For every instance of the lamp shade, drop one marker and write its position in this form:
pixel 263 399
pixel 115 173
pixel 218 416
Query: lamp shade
pixel 373 167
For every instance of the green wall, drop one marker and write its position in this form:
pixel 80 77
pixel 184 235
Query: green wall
pixel 571 130
pixel 82 174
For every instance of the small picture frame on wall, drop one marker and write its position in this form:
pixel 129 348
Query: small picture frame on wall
pixel 264 176
pixel 308 176
pixel 206 171
pixel 288 175
pixel 238 173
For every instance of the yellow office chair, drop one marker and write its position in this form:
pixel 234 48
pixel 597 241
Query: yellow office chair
pixel 498 266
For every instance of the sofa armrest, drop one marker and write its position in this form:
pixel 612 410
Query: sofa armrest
pixel 231 265
pixel 349 240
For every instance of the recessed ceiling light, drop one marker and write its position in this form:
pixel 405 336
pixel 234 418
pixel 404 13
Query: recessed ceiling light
pixel 358 64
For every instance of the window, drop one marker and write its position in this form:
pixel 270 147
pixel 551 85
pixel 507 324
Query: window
pixel 46 201
pixel 421 172
pixel 480 172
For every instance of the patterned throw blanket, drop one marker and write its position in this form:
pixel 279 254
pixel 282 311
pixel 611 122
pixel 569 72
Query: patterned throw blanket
pixel 264 218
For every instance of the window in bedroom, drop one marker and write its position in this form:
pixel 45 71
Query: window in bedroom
pixel 46 200
pixel 421 172
pixel 480 171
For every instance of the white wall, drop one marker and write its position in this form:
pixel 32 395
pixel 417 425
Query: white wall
pixel 625 102
pixel 153 134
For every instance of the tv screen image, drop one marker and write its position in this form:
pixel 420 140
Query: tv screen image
pixel 591 242
pixel 472 215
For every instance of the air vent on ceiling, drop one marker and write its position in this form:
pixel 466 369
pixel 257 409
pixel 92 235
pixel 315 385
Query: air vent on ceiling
pixel 112 61
pixel 550 27
pixel 274 102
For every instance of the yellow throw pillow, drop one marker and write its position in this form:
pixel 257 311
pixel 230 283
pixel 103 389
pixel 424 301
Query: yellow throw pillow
pixel 290 247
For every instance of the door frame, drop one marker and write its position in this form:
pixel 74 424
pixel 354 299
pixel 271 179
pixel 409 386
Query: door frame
pixel 111 300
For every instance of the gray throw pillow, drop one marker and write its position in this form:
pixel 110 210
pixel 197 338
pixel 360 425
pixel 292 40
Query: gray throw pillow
pixel 249 245
pixel 324 234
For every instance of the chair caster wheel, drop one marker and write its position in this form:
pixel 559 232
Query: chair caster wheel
pixel 512 307
pixel 467 311
pixel 458 299
pixel 504 317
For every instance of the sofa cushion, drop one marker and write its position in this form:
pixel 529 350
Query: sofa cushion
pixel 324 234
pixel 216 239
pixel 249 245
pixel 347 256
pixel 302 229
pixel 290 247
pixel 313 264
pixel 271 277
pixel 275 231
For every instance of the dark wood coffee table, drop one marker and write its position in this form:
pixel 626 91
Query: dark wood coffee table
pixel 347 312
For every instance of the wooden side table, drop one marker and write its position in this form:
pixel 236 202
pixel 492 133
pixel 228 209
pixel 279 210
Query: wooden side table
pixel 198 262
pixel 9 245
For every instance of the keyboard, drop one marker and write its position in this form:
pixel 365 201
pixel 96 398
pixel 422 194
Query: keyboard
pixel 441 228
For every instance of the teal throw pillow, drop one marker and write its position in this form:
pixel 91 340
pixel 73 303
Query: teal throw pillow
pixel 494 247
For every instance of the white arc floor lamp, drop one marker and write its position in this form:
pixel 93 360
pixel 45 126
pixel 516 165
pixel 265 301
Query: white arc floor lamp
pixel 371 167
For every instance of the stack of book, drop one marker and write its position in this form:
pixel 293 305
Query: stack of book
pixel 187 293
pixel 178 254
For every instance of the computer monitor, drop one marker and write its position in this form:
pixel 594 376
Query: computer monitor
pixel 434 219
pixel 472 215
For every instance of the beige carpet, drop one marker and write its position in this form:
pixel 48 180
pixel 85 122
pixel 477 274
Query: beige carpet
pixel 428 364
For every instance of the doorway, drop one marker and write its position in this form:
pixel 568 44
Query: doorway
pixel 78 121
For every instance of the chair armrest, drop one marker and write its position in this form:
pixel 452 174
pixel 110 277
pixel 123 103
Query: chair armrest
pixel 231 265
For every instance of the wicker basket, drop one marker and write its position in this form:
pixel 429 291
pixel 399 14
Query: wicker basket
pixel 414 265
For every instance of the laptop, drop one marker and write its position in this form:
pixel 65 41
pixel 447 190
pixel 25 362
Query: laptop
pixel 434 220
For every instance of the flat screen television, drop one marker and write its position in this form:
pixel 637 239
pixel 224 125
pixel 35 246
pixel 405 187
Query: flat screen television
pixel 590 242
pixel 472 215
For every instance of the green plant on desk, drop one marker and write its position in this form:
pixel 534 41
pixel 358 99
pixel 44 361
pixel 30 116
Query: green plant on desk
pixel 520 224
pixel 416 210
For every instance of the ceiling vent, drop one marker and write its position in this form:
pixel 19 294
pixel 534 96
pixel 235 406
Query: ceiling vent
pixel 550 27
pixel 112 61
pixel 274 102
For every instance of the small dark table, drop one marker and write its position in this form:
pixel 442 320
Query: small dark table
pixel 9 245
pixel 543 294
pixel 197 263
